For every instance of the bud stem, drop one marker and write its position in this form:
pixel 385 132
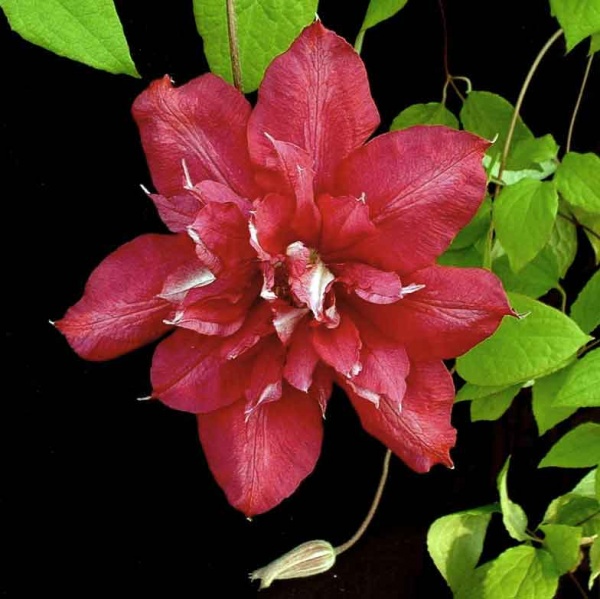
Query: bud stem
pixel 374 505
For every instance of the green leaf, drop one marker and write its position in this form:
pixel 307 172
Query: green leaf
pixel 578 180
pixel 532 152
pixel 509 177
pixel 513 516
pixel 534 279
pixel 594 562
pixel 468 392
pixel 579 448
pixel 544 391
pixel 455 543
pixel 574 510
pixel 563 244
pixel 585 310
pixel 524 216
pixel 522 573
pixel 587 485
pixel 581 389
pixel 591 222
pixel 433 113
pixel 466 257
pixel 381 10
pixel 265 29
pixel 88 31
pixel 562 542
pixel 578 18
pixel 473 587
pixel 476 229
pixel 494 405
pixel 595 43
pixel 523 348
pixel 597 486
pixel 489 115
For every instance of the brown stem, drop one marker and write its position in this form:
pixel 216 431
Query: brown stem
pixel 234 49
pixel 359 533
pixel 578 224
pixel 515 116
pixel 578 585
pixel 578 103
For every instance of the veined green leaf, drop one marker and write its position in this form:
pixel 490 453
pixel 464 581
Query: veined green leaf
pixel 585 310
pixel 489 116
pixel 544 391
pixel 469 392
pixel 465 257
pixel 513 516
pixel 476 229
pixel 578 180
pixel 432 113
pixel 88 31
pixel 523 349
pixel 579 448
pixel 493 406
pixel 529 153
pixel 455 543
pixel 578 18
pixel 594 562
pixel 381 10
pixel 562 542
pixel 563 243
pixel 265 29
pixel 522 572
pixel 534 279
pixel 587 485
pixel 581 389
pixel 524 216
pixel 572 509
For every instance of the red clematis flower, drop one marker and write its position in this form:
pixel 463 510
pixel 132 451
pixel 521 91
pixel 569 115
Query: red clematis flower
pixel 300 256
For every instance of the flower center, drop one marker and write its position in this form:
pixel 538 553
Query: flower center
pixel 301 279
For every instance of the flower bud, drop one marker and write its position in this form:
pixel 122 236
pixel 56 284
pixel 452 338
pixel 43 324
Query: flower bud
pixel 312 557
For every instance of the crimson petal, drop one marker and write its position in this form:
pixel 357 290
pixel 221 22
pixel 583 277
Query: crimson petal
pixel 422 186
pixel 121 309
pixel 189 373
pixel 420 433
pixel 201 124
pixel 261 458
pixel 345 223
pixel 316 96
pixel 456 309
pixel 339 347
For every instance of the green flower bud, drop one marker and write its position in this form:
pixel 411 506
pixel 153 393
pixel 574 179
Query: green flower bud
pixel 308 559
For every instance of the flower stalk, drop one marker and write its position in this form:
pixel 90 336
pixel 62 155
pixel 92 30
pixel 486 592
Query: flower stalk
pixel 316 557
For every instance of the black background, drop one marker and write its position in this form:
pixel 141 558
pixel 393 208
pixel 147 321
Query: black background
pixel 108 496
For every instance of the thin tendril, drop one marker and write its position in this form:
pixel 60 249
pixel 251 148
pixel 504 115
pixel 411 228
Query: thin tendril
pixel 578 224
pixel 359 533
pixel 578 103
pixel 578 585
pixel 515 116
pixel 234 49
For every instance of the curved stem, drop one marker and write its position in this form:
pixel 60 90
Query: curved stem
pixel 234 49
pixel 578 224
pixel 359 533
pixel 586 74
pixel 563 296
pixel 577 585
pixel 515 116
